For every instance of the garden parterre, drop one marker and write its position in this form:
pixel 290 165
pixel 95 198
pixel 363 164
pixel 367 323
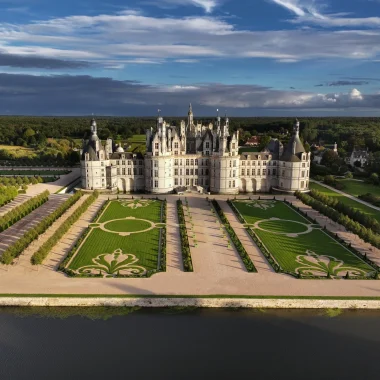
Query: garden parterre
pixel 123 241
pixel 298 246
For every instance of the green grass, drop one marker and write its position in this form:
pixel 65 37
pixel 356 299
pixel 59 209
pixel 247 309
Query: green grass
pixel 145 246
pixel 128 225
pixel 282 226
pixel 19 151
pixel 286 250
pixel 115 210
pixel 349 202
pixel 356 188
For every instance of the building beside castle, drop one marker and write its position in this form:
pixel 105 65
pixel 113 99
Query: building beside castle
pixel 194 156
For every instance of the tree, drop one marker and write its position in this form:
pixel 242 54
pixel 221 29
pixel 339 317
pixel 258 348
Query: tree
pixel 374 178
pixel 264 141
pixel 329 158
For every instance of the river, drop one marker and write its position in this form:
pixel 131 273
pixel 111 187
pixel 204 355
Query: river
pixel 188 344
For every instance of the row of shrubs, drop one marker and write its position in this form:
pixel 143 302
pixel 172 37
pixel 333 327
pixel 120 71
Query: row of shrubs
pixel 39 256
pixel 356 215
pixel 162 264
pixel 185 246
pixel 234 238
pixel 23 242
pixel 370 198
pixel 7 194
pixel 19 212
pixel 365 233
pixel 20 181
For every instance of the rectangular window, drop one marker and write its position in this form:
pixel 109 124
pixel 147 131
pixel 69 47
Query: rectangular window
pixel 196 171
pixel 233 183
pixel 118 171
pixel 196 162
pixel 176 181
pixel 242 171
pixel 283 173
pixel 156 173
pixel 206 171
pixel 264 171
pixel 156 145
pixel 229 184
pixel 264 163
pixel 123 171
pixel 243 163
pixel 196 182
pixel 129 162
pixel 233 146
pixel 175 171
pixel 302 184
pixel 140 171
pixel 102 163
pixel 180 181
pixel 176 145
pixel 187 182
pixel 187 161
pixel 303 164
pixel 234 173
pixel 176 162
pixel 187 171
pixel 180 171
pixel 155 183
pixel 230 164
pixel 207 145
pixel 303 173
pixel 234 163
pixel 268 171
pixel 134 171
pixel 192 162
pixel 117 162
pixel 247 171
pixel 123 162
pixel 129 171
pixel 191 171
pixel 274 171
pixel 258 172
pixel 140 162
pixel 176 152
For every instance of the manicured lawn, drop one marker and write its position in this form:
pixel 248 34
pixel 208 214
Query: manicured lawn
pixel 349 202
pixel 112 254
pixel 128 225
pixel 141 209
pixel 313 253
pixel 356 188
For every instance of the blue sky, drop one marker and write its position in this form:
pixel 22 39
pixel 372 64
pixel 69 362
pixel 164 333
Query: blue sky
pixel 248 57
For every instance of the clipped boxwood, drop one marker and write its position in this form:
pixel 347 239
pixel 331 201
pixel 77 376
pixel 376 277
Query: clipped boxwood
pixel 234 238
pixel 185 246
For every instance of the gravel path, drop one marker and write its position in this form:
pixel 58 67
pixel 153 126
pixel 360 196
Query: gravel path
pixel 174 261
pixel 20 199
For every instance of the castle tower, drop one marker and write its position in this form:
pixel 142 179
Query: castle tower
pixel 190 116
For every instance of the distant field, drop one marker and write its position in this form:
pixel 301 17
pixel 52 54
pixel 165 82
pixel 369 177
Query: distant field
pixel 136 144
pixel 18 151
pixel 137 139
pixel 349 202
pixel 356 188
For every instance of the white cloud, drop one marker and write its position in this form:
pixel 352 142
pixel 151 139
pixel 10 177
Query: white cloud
pixel 309 12
pixel 207 5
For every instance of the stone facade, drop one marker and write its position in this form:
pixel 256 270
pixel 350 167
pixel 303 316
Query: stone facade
pixel 194 156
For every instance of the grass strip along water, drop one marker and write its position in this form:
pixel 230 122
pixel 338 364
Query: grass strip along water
pixel 39 256
pixel 185 246
pixel 19 212
pixel 234 238
pixel 297 245
pixel 23 242
pixel 121 251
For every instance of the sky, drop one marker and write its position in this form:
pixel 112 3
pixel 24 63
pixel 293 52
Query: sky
pixel 243 57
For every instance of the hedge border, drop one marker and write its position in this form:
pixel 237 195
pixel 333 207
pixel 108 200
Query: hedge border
pixel 248 263
pixel 185 246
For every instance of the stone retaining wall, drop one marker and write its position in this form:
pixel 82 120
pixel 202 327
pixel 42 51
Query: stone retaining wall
pixel 192 302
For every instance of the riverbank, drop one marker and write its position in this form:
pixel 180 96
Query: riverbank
pixel 254 302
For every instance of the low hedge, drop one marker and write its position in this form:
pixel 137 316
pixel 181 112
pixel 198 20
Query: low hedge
pixel 185 246
pixel 39 256
pixel 234 238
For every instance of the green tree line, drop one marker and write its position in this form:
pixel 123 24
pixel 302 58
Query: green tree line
pixel 19 212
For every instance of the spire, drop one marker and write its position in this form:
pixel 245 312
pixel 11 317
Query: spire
pixel 296 127
pixel 190 109
pixel 93 126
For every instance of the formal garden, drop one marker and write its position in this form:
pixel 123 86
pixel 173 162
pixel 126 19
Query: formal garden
pixel 298 246
pixel 126 239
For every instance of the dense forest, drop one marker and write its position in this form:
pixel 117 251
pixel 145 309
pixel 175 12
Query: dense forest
pixel 57 135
